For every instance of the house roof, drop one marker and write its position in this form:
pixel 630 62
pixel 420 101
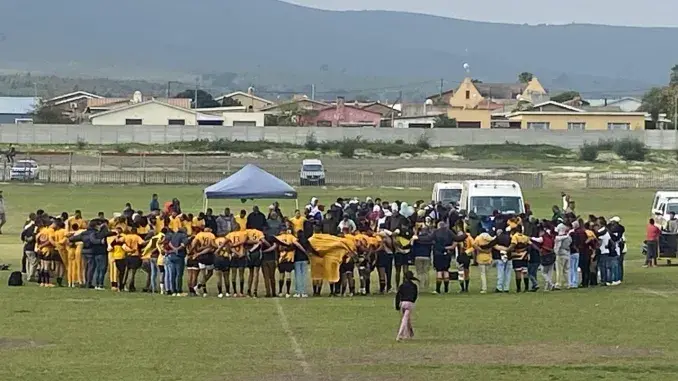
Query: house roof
pixel 500 90
pixel 107 103
pixel 274 106
pixel 70 97
pixel 135 105
pixel 18 105
pixel 244 94
pixel 434 96
pixel 557 104
pixel 333 107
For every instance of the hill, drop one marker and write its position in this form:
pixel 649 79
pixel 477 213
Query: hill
pixel 281 42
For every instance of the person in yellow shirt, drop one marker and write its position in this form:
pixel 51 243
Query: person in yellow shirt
pixel 158 222
pixel 205 245
pixel 518 252
pixel 76 220
pixel 59 242
pixel 198 223
pixel 118 221
pixel 187 223
pixel 74 271
pixel 483 257
pixel 347 267
pixel 117 254
pixel 255 245
pixel 331 249
pixel 152 252
pixel 46 251
pixel 236 244
pixel 175 222
pixel 297 222
pixel 132 244
pixel 465 253
pixel 241 220
pixel 288 245
pixel 222 266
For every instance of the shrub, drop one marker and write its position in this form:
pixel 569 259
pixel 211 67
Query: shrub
pixel 588 152
pixel 630 149
pixel 423 142
pixel 121 148
pixel 347 147
pixel 81 143
pixel 311 142
pixel 399 141
pixel 605 144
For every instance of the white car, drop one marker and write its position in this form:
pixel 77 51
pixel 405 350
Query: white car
pixel 483 197
pixel 312 172
pixel 24 170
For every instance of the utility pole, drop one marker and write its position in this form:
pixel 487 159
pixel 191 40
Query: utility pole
pixel 169 84
pixel 400 98
pixel 197 83
pixel 441 88
pixel 675 111
pixel 312 92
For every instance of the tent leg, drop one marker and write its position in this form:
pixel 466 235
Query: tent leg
pixel 204 204
pixel 296 201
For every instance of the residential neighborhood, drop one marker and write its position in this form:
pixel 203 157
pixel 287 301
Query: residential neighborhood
pixel 471 104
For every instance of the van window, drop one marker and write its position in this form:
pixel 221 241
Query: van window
pixel 656 201
pixel 312 168
pixel 448 196
pixel 485 205
pixel 671 207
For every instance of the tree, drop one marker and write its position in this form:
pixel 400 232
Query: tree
pixel 443 121
pixel 525 77
pixel 655 102
pixel 205 99
pixel 566 96
pixel 47 114
pixel 230 102
pixel 673 80
pixel 476 81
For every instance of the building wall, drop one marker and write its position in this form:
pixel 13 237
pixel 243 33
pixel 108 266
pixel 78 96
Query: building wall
pixel 459 98
pixel 405 123
pixel 152 114
pixel 343 115
pixel 231 118
pixel 247 102
pixel 471 115
pixel 593 122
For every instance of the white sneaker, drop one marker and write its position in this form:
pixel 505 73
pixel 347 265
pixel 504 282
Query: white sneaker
pixel 220 296
pixel 287 296
pixel 280 295
pixel 483 292
pixel 296 296
pixel 304 295
pixel 435 292
pixel 616 283
pixel 226 295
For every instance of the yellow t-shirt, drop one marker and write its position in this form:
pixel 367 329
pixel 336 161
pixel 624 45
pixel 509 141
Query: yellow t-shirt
pixel 143 230
pixel 159 224
pixel 521 242
pixel 59 238
pixel 287 253
pixel 188 226
pixel 237 240
pixel 242 223
pixel 221 249
pixel 175 224
pixel 484 256
pixel 254 235
pixel 116 251
pixel 75 221
pixel 44 239
pixel 203 240
pixel 133 243
pixel 297 223
pixel 197 224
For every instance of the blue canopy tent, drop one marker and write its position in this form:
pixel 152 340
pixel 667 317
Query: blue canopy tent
pixel 250 182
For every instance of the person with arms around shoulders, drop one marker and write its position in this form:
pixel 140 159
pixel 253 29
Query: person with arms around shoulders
pixel 405 299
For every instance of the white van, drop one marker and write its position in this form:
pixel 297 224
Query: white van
pixel 447 192
pixel 485 196
pixel 312 172
pixel 664 203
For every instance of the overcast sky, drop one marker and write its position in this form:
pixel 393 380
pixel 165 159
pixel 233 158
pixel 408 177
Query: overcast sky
pixel 613 12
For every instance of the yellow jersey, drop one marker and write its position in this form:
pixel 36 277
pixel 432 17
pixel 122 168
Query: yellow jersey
pixel 197 224
pixel 43 241
pixel 287 252
pixel 237 241
pixel 242 223
pixel 175 224
pixel 204 239
pixel 484 255
pixel 297 223
pixel 116 251
pixel 221 249
pixel 522 243
pixel 133 243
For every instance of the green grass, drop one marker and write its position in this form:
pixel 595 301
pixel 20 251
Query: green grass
pixel 622 333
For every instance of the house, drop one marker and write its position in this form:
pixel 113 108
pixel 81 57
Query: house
pixel 414 121
pixel 248 99
pixel 341 115
pixel 149 113
pixel 16 110
pixel 552 115
pixel 627 104
pixel 101 104
pixel 469 108
pixel 72 105
pixel 442 98
pixel 385 110
pixel 303 104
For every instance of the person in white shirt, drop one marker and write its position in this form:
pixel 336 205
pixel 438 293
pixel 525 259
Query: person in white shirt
pixel 348 224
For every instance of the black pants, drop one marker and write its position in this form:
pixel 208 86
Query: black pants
pixel 121 265
pixel 268 268
pixel 89 274
pixel 584 265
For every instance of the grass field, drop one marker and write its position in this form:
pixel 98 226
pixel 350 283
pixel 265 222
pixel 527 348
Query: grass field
pixel 621 333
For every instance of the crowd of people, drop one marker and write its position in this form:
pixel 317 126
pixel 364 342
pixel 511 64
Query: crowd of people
pixel 340 245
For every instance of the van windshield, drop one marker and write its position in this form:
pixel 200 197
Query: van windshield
pixel 312 168
pixel 485 205
pixel 672 207
pixel 449 196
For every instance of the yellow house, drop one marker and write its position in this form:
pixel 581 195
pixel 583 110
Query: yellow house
pixel 469 107
pixel 557 116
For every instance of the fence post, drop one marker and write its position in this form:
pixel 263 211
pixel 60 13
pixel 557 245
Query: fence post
pixel 70 167
pixel 49 173
pixel 100 165
pixel 143 168
pixel 587 185
pixel 4 170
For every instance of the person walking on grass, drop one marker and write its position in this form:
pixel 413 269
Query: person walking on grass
pixel 652 243
pixel 404 302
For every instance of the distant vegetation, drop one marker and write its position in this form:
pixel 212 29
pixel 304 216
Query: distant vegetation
pixel 627 149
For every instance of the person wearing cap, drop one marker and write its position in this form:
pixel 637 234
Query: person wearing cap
pixel 619 233
pixel 562 250
pixel 404 302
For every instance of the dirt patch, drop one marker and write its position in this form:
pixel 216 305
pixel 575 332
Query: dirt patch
pixel 521 354
pixel 8 343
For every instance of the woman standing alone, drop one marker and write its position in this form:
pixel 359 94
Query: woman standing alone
pixel 404 302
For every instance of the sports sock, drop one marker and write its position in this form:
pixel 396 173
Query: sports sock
pixel 462 285
pixel 466 282
pixel 438 283
pixel 280 285
pixel 518 283
pixel 235 289
pixel 447 286
pixel 526 281
pixel 288 285
pixel 382 286
pixel 60 281
pixel 219 289
pixel 242 286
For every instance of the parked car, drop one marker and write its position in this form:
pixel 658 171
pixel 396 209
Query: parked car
pixel 312 172
pixel 24 170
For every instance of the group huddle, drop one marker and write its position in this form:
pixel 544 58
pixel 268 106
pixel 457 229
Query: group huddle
pixel 336 243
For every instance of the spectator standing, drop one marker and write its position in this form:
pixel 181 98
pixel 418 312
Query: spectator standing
pixel 154 205
pixel 3 217
pixel 421 250
pixel 562 250
pixel 256 220
pixel 652 234
pixel 404 302
pixel 575 236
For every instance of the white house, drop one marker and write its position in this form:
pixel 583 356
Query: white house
pixel 250 101
pixel 148 113
pixel 414 121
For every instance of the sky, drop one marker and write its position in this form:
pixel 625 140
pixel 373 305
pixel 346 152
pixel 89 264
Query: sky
pixel 611 12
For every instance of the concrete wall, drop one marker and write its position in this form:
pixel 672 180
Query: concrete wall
pixel 69 134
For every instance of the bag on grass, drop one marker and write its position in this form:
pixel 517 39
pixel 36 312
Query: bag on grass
pixel 15 279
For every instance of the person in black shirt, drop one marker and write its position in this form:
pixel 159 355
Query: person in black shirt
pixel 443 241
pixel 404 302
pixel 256 220
pixel 211 220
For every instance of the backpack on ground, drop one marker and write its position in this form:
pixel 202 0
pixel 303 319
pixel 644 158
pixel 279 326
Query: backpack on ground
pixel 15 279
